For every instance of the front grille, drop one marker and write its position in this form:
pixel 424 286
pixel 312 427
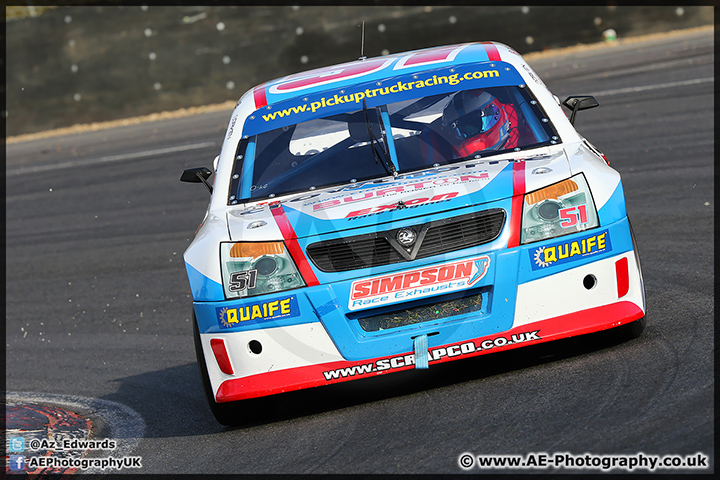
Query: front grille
pixel 454 234
pixel 433 238
pixel 353 253
pixel 423 313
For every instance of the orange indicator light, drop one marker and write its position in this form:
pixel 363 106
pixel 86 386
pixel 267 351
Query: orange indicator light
pixel 254 250
pixel 553 191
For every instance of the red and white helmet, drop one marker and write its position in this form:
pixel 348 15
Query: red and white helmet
pixel 474 121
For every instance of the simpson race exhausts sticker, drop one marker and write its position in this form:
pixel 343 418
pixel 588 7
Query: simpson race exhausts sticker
pixel 418 283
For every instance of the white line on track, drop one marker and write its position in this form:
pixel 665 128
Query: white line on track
pixel 703 60
pixel 182 148
pixel 644 88
pixel 126 425
pixel 111 158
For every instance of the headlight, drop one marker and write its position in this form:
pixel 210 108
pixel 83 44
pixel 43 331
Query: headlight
pixel 559 209
pixel 256 268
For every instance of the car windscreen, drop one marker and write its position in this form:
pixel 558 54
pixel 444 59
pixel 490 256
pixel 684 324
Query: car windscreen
pixel 372 142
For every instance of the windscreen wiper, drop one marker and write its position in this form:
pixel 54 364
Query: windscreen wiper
pixel 389 166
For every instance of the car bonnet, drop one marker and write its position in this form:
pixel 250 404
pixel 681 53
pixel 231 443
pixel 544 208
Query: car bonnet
pixel 390 200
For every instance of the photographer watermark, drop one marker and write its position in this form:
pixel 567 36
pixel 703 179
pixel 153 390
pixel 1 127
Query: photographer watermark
pixel 585 461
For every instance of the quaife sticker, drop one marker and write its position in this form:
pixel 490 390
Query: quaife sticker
pixel 414 284
pixel 253 312
pixel 569 251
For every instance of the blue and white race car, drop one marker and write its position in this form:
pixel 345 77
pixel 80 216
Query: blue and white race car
pixel 397 212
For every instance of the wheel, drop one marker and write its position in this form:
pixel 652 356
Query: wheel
pixel 634 329
pixel 637 260
pixel 228 413
pixel 630 330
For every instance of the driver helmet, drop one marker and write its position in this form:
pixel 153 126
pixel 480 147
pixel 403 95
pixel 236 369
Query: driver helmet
pixel 474 121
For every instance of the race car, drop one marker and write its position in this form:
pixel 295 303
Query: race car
pixel 398 212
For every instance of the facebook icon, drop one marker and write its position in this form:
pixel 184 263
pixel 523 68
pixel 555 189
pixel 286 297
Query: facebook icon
pixel 17 462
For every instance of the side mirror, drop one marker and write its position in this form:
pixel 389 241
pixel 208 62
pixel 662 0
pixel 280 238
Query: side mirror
pixel 579 102
pixel 197 175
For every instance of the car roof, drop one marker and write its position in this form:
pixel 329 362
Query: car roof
pixel 328 90
pixel 343 75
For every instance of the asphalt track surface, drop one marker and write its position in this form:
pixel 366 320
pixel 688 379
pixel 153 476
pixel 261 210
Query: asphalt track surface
pixel 98 304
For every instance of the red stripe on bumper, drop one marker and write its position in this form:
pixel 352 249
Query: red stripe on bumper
pixel 623 280
pixel 290 238
pixel 221 356
pixel 578 323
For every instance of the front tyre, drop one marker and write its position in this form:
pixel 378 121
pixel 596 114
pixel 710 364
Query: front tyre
pixel 630 330
pixel 634 329
pixel 228 413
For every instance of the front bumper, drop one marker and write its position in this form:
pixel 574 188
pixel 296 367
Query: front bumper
pixel 528 296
